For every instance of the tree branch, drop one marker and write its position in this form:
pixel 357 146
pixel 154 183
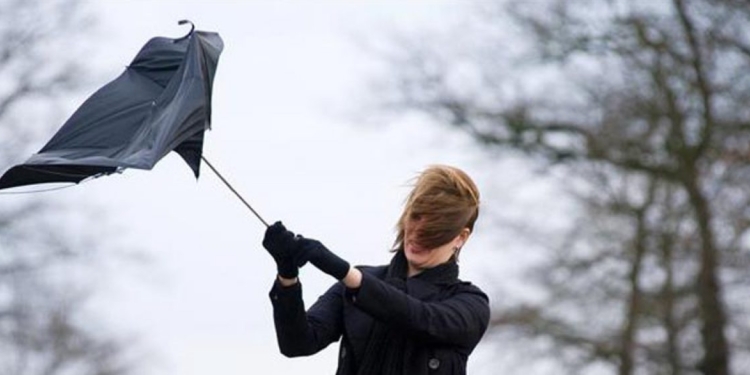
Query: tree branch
pixel 704 87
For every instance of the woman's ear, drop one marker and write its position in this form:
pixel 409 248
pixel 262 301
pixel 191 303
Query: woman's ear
pixel 463 237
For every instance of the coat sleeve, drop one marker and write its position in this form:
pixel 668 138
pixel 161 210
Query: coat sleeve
pixel 458 320
pixel 301 333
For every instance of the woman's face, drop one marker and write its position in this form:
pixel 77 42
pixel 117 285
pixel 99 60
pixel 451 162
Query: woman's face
pixel 420 257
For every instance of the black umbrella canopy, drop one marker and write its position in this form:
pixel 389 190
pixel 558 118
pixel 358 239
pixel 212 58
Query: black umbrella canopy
pixel 161 103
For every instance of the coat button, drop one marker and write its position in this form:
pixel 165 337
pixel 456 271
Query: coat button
pixel 343 352
pixel 434 363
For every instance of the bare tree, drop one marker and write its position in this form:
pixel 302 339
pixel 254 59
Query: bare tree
pixel 644 104
pixel 45 327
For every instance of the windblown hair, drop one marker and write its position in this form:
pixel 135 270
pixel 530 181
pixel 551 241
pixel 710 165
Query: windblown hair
pixel 445 200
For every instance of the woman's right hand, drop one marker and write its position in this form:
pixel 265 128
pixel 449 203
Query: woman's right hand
pixel 282 245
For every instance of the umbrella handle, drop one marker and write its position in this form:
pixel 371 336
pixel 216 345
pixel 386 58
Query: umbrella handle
pixel 234 191
pixel 192 28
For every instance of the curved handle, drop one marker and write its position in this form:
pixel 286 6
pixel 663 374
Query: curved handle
pixel 192 28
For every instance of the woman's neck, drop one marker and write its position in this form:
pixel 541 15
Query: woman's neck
pixel 413 271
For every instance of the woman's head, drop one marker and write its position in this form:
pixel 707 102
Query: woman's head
pixel 439 213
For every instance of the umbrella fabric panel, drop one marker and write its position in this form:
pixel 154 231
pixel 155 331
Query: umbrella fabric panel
pixel 103 124
pixel 21 174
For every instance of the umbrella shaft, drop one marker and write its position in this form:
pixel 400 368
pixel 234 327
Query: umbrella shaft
pixel 233 190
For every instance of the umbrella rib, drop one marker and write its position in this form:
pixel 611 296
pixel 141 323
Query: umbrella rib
pixel 233 190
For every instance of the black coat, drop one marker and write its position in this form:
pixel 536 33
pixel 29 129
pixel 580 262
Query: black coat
pixel 443 321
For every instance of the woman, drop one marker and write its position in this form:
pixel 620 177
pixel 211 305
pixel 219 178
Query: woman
pixel 413 316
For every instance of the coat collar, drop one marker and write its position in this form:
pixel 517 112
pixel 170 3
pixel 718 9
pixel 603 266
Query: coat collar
pixel 427 283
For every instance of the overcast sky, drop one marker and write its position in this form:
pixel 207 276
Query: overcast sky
pixel 288 82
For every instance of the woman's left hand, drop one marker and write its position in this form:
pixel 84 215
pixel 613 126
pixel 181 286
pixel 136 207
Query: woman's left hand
pixel 322 258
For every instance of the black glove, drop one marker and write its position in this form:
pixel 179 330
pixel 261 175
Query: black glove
pixel 322 258
pixel 284 248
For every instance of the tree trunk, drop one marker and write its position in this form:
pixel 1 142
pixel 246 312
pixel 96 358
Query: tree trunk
pixel 627 362
pixel 668 296
pixel 716 352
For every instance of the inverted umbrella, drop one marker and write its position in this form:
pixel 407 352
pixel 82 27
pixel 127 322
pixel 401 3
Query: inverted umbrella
pixel 161 103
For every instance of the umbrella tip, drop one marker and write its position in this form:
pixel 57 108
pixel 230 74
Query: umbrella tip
pixel 192 27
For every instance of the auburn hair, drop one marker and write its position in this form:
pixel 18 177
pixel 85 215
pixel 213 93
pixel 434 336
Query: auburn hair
pixel 445 201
